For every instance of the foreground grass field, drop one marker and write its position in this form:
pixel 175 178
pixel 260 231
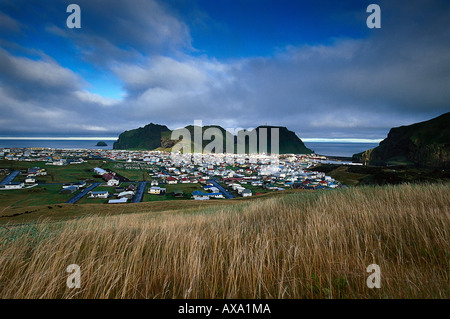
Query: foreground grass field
pixel 296 245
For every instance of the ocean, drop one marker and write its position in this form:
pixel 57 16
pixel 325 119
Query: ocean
pixel 339 149
pixel 322 148
pixel 69 144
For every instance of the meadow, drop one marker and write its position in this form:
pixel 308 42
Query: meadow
pixel 56 174
pixel 288 245
pixel 35 196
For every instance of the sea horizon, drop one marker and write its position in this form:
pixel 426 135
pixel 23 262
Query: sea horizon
pixel 327 147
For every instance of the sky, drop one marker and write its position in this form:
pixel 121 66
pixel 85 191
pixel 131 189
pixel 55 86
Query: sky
pixel 312 66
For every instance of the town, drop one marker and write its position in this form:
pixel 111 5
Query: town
pixel 119 177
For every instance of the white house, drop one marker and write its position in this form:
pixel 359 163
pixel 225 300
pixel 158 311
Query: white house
pixel 100 194
pixel 154 183
pixel 156 190
pixel 99 171
pixel 12 186
pixel 246 193
pixel 127 194
pixel 201 197
pixel 118 201
pixel 171 180
pixel 240 189
pixel 216 195
pixel 30 180
pixel 113 182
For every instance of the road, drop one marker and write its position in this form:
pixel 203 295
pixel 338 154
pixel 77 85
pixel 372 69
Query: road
pixel 83 193
pixel 8 179
pixel 224 192
pixel 139 192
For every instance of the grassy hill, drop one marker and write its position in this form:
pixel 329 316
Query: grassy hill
pixel 379 175
pixel 158 137
pixel 425 144
pixel 143 138
pixel 293 245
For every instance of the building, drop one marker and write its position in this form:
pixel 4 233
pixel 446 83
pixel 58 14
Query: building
pixel 110 179
pixel 68 185
pixel 126 194
pixel 201 198
pixel 216 195
pixel 100 194
pixel 156 190
pixel 199 195
pixel 30 180
pixel 99 171
pixel 171 180
pixel 68 190
pixel 271 187
pixel 154 183
pixel 36 171
pixel 81 184
pixel 12 186
pixel 122 200
pixel 131 187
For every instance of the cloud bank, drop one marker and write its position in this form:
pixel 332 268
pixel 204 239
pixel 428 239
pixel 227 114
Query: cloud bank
pixel 345 88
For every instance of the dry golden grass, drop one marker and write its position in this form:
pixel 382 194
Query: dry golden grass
pixel 301 245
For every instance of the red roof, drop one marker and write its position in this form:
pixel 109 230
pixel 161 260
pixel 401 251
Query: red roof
pixel 108 176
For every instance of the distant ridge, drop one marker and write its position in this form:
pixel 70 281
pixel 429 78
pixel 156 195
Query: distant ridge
pixel 424 144
pixel 158 137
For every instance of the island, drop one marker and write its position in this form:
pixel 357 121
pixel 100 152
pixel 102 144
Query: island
pixel 158 137
pixel 101 143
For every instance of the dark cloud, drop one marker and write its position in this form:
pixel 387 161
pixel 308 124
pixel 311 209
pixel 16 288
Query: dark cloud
pixel 125 30
pixel 357 88
pixel 8 24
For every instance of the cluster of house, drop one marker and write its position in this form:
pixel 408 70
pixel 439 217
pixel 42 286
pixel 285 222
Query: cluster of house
pixel 155 189
pixel 242 174
pixel 121 194
pixel 34 172
pixel 211 192
pixel 109 177
pixel 133 159
pixel 58 157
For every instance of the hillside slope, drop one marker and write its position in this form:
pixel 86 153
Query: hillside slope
pixel 425 144
pixel 147 137
pixel 301 245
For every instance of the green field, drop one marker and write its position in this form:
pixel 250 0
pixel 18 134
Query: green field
pixel 87 200
pixel 56 174
pixel 187 189
pixel 36 196
pixel 138 173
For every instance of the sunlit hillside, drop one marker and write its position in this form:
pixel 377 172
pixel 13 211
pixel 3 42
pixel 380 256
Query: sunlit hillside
pixel 300 245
